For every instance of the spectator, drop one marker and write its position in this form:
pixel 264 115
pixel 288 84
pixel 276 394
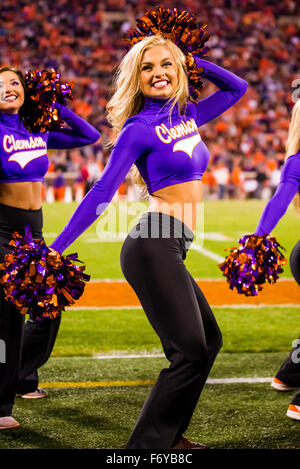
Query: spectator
pixel 93 172
pixel 59 185
pixel 262 179
pixel 221 175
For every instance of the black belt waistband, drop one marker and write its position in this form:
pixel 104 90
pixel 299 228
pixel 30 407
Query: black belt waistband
pixel 15 219
pixel 156 225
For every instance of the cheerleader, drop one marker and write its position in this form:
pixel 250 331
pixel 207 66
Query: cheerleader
pixel 288 376
pixel 156 128
pixel 24 163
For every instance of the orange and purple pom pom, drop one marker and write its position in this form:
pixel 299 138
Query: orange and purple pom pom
pixel 256 261
pixel 44 88
pixel 182 29
pixel 38 280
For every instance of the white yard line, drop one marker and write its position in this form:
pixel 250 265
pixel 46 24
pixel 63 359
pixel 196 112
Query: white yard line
pixel 241 306
pixel 234 380
pixel 207 253
pixel 136 355
pixel 199 279
pixel 238 380
pixel 119 237
pixel 111 236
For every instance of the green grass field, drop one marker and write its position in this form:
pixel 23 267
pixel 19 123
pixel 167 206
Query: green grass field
pixel 231 218
pixel 235 415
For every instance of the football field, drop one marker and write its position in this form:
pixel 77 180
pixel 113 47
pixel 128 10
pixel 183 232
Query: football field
pixel 107 357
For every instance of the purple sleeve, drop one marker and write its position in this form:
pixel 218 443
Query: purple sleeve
pixel 232 88
pixel 286 191
pixel 79 134
pixel 131 144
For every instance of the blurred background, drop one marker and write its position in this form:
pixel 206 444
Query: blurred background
pixel 256 39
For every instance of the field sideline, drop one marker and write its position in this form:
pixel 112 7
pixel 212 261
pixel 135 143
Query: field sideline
pixel 107 357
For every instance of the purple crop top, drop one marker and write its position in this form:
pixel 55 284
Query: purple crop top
pixel 287 189
pixel 23 155
pixel 167 149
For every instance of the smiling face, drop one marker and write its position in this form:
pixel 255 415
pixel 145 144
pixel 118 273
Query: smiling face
pixel 158 73
pixel 12 93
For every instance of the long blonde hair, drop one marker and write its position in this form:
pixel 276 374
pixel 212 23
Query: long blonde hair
pixel 128 99
pixel 293 142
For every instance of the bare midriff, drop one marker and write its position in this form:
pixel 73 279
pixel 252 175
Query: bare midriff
pixel 25 195
pixel 180 201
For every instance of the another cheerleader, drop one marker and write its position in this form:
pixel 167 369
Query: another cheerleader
pixel 24 163
pixel 288 376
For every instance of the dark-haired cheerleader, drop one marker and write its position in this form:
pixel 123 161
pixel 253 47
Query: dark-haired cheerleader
pixel 24 162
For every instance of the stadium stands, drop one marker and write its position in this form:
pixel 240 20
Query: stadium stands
pixel 257 39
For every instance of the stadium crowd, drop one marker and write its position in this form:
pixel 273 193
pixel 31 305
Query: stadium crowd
pixel 256 39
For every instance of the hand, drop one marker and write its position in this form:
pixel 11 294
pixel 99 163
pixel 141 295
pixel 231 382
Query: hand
pixel 53 252
pixel 60 110
pixel 53 257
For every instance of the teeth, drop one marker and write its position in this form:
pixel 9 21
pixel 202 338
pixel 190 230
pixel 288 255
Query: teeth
pixel 11 98
pixel 160 84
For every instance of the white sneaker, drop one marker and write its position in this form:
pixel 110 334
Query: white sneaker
pixel 184 443
pixel 281 386
pixel 293 412
pixel 8 422
pixel 37 394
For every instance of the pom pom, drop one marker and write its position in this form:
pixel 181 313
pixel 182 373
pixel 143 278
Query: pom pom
pixel 257 260
pixel 44 89
pixel 180 28
pixel 39 280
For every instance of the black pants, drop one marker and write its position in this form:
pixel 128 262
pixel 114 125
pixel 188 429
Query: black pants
pixel 180 315
pixel 289 371
pixel 38 342
pixel 35 341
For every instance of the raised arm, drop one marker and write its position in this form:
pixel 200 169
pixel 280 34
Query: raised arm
pixel 130 145
pixel 286 191
pixel 79 134
pixel 232 88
